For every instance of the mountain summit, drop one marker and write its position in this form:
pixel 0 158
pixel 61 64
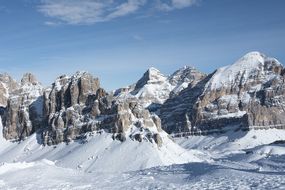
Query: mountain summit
pixel 151 76
pixel 247 94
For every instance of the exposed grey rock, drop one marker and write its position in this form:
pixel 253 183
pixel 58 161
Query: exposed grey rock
pixel 157 139
pixel 29 78
pixel 138 137
pixel 67 103
pixel 23 113
pixel 4 94
pixel 7 86
pixel 121 137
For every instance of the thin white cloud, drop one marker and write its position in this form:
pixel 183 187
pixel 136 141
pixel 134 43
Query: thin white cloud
pixel 88 11
pixel 126 8
pixel 174 4
pixel 94 11
pixel 51 23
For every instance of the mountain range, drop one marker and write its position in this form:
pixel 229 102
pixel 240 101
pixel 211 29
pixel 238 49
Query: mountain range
pixel 236 113
pixel 247 94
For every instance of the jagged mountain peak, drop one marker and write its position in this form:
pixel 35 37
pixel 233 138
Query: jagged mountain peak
pixel 5 77
pixel 152 75
pixel 185 74
pixel 79 74
pixel 75 76
pixel 153 70
pixel 9 82
pixel 29 78
pixel 7 86
pixel 63 80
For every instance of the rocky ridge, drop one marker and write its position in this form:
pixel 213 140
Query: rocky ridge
pixel 248 94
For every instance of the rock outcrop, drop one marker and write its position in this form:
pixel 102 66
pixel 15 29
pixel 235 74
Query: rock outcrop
pixel 23 113
pixel 64 104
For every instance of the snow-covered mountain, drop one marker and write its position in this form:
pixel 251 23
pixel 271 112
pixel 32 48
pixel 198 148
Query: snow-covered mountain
pixel 153 89
pixel 247 94
pixel 231 121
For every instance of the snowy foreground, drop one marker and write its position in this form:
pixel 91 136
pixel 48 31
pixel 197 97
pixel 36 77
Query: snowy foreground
pixel 232 175
pixel 235 160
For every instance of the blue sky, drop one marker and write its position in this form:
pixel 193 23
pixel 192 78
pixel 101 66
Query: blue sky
pixel 117 40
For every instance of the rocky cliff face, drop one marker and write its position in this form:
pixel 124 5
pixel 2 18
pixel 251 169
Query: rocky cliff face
pixel 23 112
pixel 64 104
pixel 77 105
pixel 7 85
pixel 248 94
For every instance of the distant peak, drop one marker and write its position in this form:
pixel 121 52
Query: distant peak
pixel 253 55
pixel 4 75
pixel 79 74
pixel 152 75
pixel 187 68
pixel 6 78
pixel 29 78
pixel 153 70
pixel 185 74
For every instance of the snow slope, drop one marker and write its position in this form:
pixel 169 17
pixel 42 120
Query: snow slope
pixel 232 142
pixel 99 152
